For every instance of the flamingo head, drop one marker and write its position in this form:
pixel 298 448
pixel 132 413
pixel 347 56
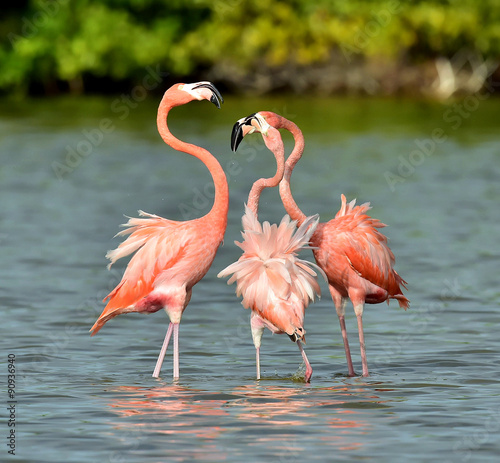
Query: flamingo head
pixel 254 123
pixel 197 91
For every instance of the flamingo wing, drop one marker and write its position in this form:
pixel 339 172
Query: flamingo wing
pixel 368 257
pixel 159 244
pixel 365 247
pixel 373 261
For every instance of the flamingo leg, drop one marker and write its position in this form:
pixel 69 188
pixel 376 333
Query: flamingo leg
pixel 163 351
pixel 257 326
pixel 257 360
pixel 340 303
pixel 176 350
pixel 359 316
pixel 309 370
pixel 346 346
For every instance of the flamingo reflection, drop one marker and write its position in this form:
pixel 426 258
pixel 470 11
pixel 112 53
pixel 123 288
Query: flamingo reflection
pixel 170 410
pixel 273 416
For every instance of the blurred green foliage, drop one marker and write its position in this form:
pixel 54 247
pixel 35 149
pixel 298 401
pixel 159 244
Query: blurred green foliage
pixel 65 44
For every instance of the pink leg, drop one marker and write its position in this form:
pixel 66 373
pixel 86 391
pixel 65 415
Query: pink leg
pixel 362 344
pixel 257 325
pixel 159 362
pixel 350 367
pixel 176 350
pixel 257 359
pixel 340 302
pixel 309 370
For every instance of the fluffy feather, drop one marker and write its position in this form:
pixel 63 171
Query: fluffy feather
pixel 166 253
pixel 365 248
pixel 270 276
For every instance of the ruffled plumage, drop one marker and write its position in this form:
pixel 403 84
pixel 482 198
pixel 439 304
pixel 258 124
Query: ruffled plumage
pixel 365 248
pixel 270 276
pixel 165 253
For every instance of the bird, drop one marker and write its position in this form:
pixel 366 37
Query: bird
pixel 274 282
pixel 349 248
pixel 170 256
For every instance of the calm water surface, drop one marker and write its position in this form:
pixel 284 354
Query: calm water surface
pixel 70 170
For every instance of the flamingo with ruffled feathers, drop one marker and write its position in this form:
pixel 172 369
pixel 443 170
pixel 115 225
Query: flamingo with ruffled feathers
pixel 170 257
pixel 350 249
pixel 275 284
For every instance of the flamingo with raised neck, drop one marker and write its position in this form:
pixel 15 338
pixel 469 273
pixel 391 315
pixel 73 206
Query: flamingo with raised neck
pixel 170 256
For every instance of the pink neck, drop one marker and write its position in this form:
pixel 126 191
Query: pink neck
pixel 221 200
pixel 285 191
pixel 259 185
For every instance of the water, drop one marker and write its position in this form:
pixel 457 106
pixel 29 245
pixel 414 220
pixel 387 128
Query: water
pixel 433 393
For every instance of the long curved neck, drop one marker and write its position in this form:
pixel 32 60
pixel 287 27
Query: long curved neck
pixel 285 191
pixel 259 185
pixel 221 201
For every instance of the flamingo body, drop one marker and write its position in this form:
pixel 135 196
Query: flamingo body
pixel 274 283
pixel 355 256
pixel 350 249
pixel 170 257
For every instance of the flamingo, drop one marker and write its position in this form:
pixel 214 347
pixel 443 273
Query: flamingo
pixel 350 249
pixel 275 284
pixel 170 257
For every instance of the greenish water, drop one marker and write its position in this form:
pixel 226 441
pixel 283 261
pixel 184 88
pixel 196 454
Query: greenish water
pixel 70 169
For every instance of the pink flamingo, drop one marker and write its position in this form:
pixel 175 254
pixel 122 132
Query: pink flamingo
pixel 170 257
pixel 349 248
pixel 275 284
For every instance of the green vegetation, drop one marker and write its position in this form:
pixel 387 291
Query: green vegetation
pixel 77 45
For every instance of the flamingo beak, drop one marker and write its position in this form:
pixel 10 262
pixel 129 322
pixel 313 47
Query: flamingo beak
pixel 216 97
pixel 246 125
pixel 236 136
pixel 238 132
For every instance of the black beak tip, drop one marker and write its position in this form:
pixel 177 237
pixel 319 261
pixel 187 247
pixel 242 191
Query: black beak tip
pixel 236 136
pixel 216 97
pixel 216 101
pixel 237 133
